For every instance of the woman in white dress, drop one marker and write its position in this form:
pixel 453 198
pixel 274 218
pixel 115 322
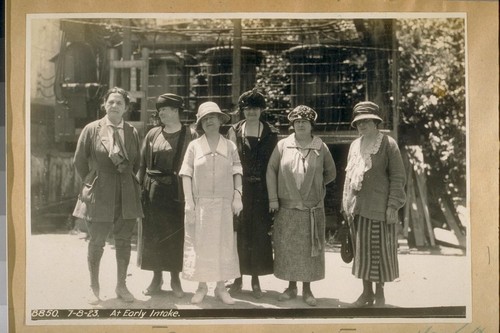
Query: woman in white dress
pixel 211 177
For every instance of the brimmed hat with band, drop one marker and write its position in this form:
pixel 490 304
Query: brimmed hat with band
pixel 171 100
pixel 252 98
pixel 365 110
pixel 210 108
pixel 302 112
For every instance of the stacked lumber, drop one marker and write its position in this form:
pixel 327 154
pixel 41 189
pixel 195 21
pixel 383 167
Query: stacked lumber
pixel 418 220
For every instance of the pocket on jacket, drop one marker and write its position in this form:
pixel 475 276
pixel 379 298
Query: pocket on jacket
pixel 87 192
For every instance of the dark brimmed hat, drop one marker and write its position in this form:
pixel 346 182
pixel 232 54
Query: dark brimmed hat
pixel 210 108
pixel 252 98
pixel 302 112
pixel 365 110
pixel 171 100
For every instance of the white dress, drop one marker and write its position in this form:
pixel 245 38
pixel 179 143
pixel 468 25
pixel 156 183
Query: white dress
pixel 210 251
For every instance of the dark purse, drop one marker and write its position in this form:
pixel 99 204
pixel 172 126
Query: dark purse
pixel 346 246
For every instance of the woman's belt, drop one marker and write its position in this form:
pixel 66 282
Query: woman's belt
pixel 162 177
pixel 252 179
pixel 315 213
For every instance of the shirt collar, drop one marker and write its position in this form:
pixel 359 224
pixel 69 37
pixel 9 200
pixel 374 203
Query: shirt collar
pixel 315 144
pixel 109 123
pixel 221 146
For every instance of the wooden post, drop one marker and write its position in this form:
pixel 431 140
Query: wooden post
pixel 126 54
pixel 236 70
pixel 395 83
pixel 144 87
pixel 113 55
pixel 416 219
pixel 450 219
pixel 406 212
pixel 422 189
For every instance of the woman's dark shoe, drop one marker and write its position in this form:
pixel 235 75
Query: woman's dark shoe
pixel 154 287
pixel 288 294
pixel 176 286
pixel 236 286
pixel 379 301
pixel 365 300
pixel 256 291
pixel 308 298
pixel 379 295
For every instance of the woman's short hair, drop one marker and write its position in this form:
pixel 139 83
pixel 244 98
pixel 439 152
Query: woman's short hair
pixel 117 90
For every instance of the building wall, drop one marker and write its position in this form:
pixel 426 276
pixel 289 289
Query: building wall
pixel 45 43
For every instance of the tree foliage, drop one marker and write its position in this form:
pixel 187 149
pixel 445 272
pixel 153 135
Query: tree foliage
pixel 432 82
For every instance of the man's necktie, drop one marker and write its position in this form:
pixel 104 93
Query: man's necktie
pixel 118 153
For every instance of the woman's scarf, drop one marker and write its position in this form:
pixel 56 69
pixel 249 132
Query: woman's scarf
pixel 357 165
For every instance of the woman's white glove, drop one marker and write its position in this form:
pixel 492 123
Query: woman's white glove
pixel 237 205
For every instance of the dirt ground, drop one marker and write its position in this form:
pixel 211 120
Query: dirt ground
pixel 57 278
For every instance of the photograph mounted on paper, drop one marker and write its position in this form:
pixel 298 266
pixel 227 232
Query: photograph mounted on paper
pixel 264 168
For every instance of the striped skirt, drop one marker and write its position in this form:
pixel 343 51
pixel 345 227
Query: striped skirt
pixel 375 250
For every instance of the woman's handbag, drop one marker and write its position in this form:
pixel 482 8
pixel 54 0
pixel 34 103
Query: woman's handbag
pixel 346 246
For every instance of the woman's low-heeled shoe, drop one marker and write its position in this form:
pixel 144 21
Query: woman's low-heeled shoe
pixel 256 291
pixel 379 301
pixel 224 296
pixel 288 294
pixel 363 301
pixel 309 298
pixel 235 287
pixel 153 288
pixel 177 289
pixel 199 295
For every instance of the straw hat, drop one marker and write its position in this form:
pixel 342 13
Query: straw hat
pixel 365 110
pixel 210 108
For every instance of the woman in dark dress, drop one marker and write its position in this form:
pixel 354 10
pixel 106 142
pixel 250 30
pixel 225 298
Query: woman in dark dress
pixel 255 140
pixel 162 153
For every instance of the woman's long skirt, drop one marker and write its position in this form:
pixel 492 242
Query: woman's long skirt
pixel 375 250
pixel 292 246
pixel 210 252
pixel 163 230
pixel 254 241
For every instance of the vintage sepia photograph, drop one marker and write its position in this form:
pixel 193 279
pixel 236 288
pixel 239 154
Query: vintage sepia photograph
pixel 256 168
